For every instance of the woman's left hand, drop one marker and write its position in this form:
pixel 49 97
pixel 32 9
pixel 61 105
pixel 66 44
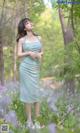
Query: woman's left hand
pixel 39 56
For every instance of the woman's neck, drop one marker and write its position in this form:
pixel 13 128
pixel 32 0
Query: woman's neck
pixel 29 34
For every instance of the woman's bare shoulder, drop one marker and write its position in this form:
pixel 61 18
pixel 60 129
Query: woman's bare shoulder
pixel 21 40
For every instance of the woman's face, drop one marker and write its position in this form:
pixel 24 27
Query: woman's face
pixel 28 25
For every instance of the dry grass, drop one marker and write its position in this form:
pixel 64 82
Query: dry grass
pixel 51 83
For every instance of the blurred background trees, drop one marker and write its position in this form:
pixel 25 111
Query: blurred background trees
pixel 59 26
pixel 47 24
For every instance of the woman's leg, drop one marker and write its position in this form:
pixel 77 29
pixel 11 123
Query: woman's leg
pixel 28 111
pixel 37 113
pixel 37 109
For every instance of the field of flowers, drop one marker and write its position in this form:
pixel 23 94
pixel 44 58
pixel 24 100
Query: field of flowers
pixel 12 110
pixel 59 113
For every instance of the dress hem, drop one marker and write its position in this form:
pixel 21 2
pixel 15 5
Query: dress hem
pixel 29 101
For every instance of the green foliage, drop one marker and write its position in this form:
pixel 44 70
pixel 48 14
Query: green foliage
pixel 71 68
pixel 68 112
pixel 68 130
pixel 35 9
pixel 47 116
pixel 47 24
pixel 49 28
pixel 19 108
pixel 8 63
pixel 20 130
pixel 66 117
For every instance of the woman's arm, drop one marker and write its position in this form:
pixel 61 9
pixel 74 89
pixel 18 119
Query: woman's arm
pixel 19 52
pixel 41 52
pixel 39 55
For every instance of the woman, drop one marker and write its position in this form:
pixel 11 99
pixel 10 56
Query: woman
pixel 30 51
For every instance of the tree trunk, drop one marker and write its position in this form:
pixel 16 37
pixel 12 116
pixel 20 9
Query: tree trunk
pixel 1 47
pixel 14 64
pixel 1 63
pixel 68 36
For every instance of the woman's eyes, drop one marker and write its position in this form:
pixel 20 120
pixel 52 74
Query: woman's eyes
pixel 27 23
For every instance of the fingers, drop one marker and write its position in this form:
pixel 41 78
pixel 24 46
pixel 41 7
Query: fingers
pixel 33 55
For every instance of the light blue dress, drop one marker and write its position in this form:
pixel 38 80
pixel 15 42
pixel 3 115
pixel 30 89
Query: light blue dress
pixel 29 73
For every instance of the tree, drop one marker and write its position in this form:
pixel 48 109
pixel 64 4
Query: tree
pixel 68 35
pixel 1 46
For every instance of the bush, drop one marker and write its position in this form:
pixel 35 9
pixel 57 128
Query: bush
pixel 68 112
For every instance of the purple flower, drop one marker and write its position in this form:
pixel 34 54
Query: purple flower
pixel 2 89
pixel 5 101
pixel 52 128
pixel 11 118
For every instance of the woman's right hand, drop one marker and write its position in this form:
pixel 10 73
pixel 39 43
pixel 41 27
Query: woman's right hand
pixel 32 54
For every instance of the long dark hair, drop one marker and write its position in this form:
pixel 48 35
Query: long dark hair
pixel 21 26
